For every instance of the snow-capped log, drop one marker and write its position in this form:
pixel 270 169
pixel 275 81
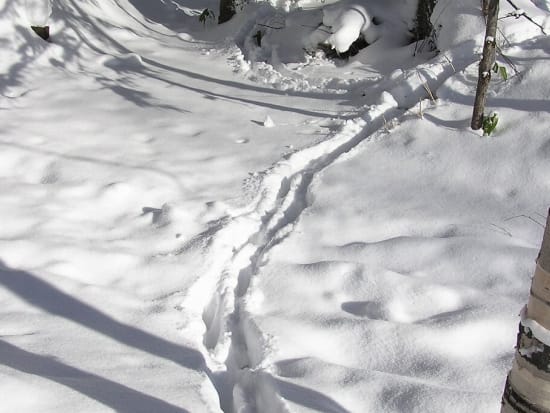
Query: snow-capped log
pixel 347 23
pixel 527 387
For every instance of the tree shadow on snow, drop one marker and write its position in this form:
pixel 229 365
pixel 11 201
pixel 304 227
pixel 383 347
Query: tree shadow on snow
pixel 31 50
pixel 80 158
pixel 107 392
pixel 532 105
pixel 151 68
pixel 45 296
pixel 308 398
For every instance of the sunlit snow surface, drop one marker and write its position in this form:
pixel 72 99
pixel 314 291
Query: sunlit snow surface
pixel 193 223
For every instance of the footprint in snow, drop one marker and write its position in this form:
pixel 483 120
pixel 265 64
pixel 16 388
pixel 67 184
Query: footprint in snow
pixel 160 216
pixel 368 309
pixel 50 175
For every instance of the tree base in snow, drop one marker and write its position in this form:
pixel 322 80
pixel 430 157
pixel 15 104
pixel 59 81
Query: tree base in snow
pixel 424 30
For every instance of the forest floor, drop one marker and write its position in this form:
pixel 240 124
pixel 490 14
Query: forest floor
pixel 192 222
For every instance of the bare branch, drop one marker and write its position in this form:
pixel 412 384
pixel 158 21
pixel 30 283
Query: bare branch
pixel 527 17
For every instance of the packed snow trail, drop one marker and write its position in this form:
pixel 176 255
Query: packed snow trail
pixel 237 349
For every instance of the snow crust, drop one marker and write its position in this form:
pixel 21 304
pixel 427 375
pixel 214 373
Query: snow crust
pixel 203 218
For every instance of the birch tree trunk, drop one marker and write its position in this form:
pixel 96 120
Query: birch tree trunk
pixel 486 64
pixel 527 388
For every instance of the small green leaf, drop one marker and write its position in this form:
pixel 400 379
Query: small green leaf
pixel 495 67
pixel 503 72
pixel 489 123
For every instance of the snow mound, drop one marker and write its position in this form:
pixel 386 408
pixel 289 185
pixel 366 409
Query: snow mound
pixel 38 12
pixel 347 24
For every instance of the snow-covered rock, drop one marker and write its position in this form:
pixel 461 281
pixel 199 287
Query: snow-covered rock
pixel 347 23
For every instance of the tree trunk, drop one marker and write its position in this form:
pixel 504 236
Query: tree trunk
pixel 527 388
pixel 227 10
pixel 485 7
pixel 486 64
pixel 423 25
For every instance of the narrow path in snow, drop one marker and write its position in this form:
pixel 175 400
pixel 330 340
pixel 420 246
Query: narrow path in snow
pixel 235 346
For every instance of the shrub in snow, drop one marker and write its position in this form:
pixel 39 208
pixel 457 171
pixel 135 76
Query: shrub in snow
pixel 489 123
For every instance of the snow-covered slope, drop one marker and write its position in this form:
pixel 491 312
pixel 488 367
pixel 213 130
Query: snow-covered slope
pixel 163 250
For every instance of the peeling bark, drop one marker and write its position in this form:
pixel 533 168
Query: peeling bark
pixel 527 388
pixel 532 350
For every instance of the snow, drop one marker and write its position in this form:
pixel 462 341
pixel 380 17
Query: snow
pixel 195 221
pixel 38 12
pixel 268 122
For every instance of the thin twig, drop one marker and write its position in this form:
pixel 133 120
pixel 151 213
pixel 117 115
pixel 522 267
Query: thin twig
pixel 524 216
pixel 449 61
pixel 270 27
pixel 504 36
pixel 527 16
pixel 503 230
pixel 509 61
pixel 540 215
pixel 426 87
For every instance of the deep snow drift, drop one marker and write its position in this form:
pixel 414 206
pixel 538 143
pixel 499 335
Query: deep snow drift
pixel 202 218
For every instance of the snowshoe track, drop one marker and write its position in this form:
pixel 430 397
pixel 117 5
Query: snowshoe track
pixel 235 347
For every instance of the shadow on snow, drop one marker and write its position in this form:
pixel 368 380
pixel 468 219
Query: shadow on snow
pixel 43 295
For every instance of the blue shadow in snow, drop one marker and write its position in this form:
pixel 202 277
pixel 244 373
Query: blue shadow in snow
pixel 114 395
pixel 43 295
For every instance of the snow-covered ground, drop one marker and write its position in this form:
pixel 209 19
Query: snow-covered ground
pixel 193 223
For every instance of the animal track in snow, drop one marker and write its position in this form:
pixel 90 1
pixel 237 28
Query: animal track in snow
pixel 236 349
